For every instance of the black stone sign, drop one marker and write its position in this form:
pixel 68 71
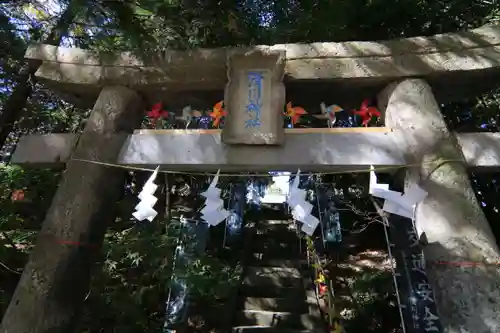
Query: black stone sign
pixel 417 298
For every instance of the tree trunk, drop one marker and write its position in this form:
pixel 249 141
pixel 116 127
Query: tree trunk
pixel 459 240
pixel 56 278
pixel 12 109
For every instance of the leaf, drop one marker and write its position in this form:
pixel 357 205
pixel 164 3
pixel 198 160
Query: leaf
pixel 141 11
pixel 34 12
pixel 110 264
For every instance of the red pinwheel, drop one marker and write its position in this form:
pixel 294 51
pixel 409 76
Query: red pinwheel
pixel 322 289
pixel 366 112
pixel 156 115
pixel 157 112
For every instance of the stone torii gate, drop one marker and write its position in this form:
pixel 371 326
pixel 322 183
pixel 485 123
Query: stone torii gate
pixel 410 75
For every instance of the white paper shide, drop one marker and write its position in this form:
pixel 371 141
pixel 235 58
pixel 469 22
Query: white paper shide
pixel 144 209
pixel 396 202
pixel 301 209
pixel 214 213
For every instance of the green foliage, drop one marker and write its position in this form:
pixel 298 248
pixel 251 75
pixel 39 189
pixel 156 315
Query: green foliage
pixel 38 186
pixel 130 291
pixel 20 220
pixel 212 278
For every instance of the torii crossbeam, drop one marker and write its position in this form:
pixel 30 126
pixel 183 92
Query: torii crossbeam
pixel 311 149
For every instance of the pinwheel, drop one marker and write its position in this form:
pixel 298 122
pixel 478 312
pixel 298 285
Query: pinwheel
pixel 330 111
pixel 188 114
pixel 323 289
pixel 217 113
pixel 157 113
pixel 321 278
pixel 366 112
pixel 294 112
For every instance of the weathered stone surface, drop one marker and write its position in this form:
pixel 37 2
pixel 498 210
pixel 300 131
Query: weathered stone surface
pixel 308 149
pixel 450 218
pixel 395 66
pixel 448 60
pixel 51 150
pixel 481 37
pixel 56 278
pixel 480 150
pixel 279 320
pixel 254 99
pixel 278 294
pixel 284 304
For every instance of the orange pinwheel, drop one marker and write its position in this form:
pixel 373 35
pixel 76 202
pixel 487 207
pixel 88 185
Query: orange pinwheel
pixel 366 112
pixel 294 112
pixel 217 113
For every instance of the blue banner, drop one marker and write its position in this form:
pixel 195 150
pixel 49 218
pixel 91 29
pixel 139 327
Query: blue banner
pixel 192 242
pixel 331 218
pixel 234 223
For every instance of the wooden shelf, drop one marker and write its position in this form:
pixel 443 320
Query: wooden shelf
pixel 287 130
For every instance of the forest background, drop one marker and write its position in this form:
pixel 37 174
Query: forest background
pixel 144 26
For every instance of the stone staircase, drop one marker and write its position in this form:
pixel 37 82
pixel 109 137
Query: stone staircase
pixel 276 294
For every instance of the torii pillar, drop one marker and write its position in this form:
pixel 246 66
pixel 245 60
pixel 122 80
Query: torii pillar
pixel 56 278
pixel 450 218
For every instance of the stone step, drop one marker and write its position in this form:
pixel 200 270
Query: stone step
pixel 256 259
pixel 272 271
pixel 275 222
pixel 272 276
pixel 281 254
pixel 260 329
pixel 285 238
pixel 270 290
pixel 295 304
pixel 281 320
pixel 276 226
pixel 280 233
pixel 271 246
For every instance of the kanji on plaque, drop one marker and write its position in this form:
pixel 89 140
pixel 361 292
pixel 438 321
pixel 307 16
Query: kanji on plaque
pixel 254 103
pixel 254 98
